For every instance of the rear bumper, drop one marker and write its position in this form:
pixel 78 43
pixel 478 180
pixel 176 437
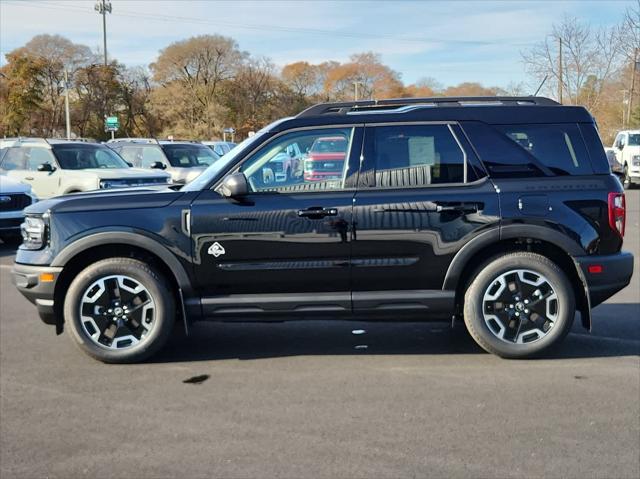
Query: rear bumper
pixel 615 274
pixel 27 279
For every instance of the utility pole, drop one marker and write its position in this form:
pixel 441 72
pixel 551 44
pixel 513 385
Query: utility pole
pixel 634 70
pixel 66 103
pixel 560 69
pixel 355 84
pixel 103 7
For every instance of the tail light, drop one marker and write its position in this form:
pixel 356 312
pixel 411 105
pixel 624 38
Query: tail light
pixel 617 212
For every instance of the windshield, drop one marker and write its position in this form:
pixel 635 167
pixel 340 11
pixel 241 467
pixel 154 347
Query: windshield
pixel 634 139
pixel 214 170
pixel 80 157
pixel 329 145
pixel 25 158
pixel 186 156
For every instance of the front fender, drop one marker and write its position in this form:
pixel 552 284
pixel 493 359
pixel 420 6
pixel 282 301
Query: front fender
pixel 143 240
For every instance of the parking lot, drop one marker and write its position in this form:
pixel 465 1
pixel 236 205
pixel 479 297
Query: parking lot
pixel 316 400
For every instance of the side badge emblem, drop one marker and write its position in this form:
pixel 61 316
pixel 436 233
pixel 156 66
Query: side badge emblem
pixel 216 249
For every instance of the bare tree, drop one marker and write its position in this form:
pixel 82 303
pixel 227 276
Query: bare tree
pixel 589 59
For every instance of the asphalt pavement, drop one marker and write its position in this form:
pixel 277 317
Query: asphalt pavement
pixel 313 399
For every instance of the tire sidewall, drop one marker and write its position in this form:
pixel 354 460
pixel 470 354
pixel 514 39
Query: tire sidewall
pixel 154 283
pixel 473 308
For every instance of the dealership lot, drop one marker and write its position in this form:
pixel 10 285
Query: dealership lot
pixel 318 400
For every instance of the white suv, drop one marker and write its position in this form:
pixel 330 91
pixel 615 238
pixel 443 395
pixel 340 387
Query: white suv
pixel 58 167
pixel 626 156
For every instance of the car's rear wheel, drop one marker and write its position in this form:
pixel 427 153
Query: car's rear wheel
pixel 119 310
pixel 519 305
pixel 626 179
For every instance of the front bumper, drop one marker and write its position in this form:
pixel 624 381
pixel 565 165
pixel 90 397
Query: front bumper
pixel 30 281
pixel 609 274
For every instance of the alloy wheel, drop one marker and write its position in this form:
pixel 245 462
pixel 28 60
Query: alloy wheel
pixel 117 312
pixel 520 306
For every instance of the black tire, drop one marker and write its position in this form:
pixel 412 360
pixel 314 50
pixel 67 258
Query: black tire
pixel 626 179
pixel 158 289
pixel 487 276
pixel 14 239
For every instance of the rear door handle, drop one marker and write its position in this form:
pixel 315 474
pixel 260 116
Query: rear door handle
pixel 317 212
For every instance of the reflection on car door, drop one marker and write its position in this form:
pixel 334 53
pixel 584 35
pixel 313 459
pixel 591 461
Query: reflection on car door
pixel 282 248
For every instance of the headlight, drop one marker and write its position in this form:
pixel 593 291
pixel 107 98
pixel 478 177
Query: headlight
pixel 34 232
pixel 636 160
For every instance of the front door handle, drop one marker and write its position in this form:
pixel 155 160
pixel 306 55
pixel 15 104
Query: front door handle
pixel 317 212
pixel 29 178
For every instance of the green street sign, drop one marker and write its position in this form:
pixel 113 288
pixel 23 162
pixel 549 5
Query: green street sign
pixel 111 123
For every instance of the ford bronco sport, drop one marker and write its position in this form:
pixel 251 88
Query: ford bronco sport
pixel 501 211
pixel 58 167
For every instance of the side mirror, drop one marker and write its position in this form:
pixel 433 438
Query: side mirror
pixel 48 167
pixel 235 186
pixel 158 165
pixel 620 146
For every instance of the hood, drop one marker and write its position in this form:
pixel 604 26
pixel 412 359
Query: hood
pixel 185 175
pixel 11 185
pixel 101 200
pixel 123 173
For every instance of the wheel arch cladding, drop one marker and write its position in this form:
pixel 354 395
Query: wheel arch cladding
pixel 95 247
pixel 544 241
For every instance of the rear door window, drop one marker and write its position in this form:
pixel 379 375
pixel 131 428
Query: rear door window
pixel 559 147
pixel 414 156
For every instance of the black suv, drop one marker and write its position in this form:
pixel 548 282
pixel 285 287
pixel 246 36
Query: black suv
pixel 502 211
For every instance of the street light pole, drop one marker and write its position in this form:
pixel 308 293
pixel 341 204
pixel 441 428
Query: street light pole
pixel 66 103
pixel 103 7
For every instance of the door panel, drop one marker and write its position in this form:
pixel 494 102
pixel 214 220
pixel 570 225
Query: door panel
pixel 267 247
pixel 412 215
pixel 286 245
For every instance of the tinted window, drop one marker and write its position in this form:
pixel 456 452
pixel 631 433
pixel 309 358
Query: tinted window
pixel 142 156
pixel 282 166
pixel 415 155
pixel 557 146
pixel 634 139
pixel 79 157
pixel 189 155
pixel 26 158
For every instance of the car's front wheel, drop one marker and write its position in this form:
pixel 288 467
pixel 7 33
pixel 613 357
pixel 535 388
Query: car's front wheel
pixel 119 310
pixel 519 305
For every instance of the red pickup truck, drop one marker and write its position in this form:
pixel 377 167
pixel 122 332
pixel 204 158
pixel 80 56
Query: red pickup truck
pixel 325 160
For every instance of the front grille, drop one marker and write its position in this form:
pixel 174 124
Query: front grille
pixel 145 181
pixel 15 202
pixel 324 165
pixel 11 224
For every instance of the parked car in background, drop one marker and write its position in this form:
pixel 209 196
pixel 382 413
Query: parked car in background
pixel 287 165
pixel 220 147
pixel 183 160
pixel 326 159
pixel 626 151
pixel 58 167
pixel 14 197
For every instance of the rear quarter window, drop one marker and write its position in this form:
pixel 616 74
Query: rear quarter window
pixel 559 147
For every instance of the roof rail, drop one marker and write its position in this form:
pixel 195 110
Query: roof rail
pixel 342 108
pixel 134 140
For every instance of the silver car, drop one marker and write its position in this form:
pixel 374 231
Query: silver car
pixel 183 160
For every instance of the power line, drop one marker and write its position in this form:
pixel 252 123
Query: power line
pixel 271 28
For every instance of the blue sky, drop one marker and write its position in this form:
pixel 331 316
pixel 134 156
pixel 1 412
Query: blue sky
pixel 451 41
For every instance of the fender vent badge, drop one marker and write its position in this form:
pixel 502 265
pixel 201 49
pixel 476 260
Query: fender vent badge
pixel 216 249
